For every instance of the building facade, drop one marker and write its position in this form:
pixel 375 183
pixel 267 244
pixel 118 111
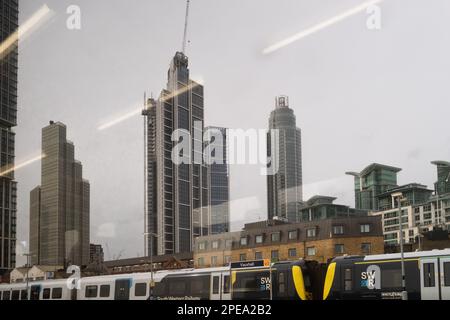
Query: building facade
pixel 371 182
pixel 9 19
pixel 279 241
pixel 418 217
pixel 96 255
pixel 323 207
pixel 219 181
pixel 59 207
pixel 284 152
pixel 442 185
pixel 177 192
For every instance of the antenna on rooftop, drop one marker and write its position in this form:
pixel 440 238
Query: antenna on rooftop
pixel 183 48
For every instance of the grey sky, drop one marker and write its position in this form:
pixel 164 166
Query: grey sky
pixel 360 96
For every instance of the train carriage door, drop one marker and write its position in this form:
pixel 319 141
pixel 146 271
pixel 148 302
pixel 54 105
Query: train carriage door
pixel 445 278
pixel 216 286
pixel 122 290
pixel 429 285
pixel 226 286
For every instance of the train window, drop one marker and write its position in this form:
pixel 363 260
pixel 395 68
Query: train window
pixel 391 278
pixel 281 283
pixel 91 291
pixel 177 287
pixel 216 281
pixel 348 279
pixel 104 290
pixel 200 286
pixel 428 275
pixel 140 290
pixel 46 293
pixel 447 274
pixel 226 284
pixel 6 295
pixel 15 295
pixel 23 295
pixel 57 293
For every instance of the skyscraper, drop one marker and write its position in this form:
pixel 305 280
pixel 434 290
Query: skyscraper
pixel 9 19
pixel 374 180
pixel 59 207
pixel 177 193
pixel 284 186
pixel 442 185
pixel 219 182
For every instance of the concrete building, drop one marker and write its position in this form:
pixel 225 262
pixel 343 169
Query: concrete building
pixel 279 241
pixel 284 152
pixel 371 182
pixel 417 217
pixel 177 193
pixel 59 207
pixel 9 11
pixel 35 273
pixel 219 181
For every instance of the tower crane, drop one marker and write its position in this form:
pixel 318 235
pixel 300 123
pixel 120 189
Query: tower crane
pixel 183 48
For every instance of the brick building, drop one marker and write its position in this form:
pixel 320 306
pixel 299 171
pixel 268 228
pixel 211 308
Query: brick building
pixel 277 240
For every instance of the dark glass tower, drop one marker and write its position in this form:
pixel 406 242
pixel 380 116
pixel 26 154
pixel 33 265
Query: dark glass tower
pixel 219 183
pixel 177 194
pixel 59 207
pixel 284 187
pixel 9 18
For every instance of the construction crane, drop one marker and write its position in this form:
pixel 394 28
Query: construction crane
pixel 183 48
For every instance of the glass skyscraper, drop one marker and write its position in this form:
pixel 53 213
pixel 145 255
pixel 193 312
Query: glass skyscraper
pixel 284 186
pixel 219 183
pixel 374 180
pixel 9 19
pixel 177 194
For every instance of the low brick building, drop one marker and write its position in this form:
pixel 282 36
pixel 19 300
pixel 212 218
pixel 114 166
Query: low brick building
pixel 319 240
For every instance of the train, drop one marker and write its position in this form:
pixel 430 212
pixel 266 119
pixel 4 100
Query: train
pixel 343 278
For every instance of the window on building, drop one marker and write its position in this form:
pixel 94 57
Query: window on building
pixel 227 259
pixel 366 248
pixel 201 262
pixel 91 292
pixel 215 244
pixel 202 245
pixel 242 257
pixel 243 241
pixel 311 251
pixel 213 261
pixel 259 238
pixel 311 232
pixel 293 235
pixel 258 255
pixel 275 237
pixel 229 243
pixel 339 249
pixel 274 255
pixel 104 290
pixel 140 290
pixel 365 228
pixel 338 230
pixel 292 252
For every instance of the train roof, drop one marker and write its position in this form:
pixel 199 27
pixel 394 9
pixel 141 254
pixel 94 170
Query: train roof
pixel 395 256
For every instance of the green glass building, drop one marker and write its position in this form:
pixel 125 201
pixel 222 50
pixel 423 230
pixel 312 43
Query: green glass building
pixel 442 186
pixel 374 180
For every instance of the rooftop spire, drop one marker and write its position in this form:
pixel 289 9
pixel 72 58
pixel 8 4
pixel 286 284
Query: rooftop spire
pixel 183 48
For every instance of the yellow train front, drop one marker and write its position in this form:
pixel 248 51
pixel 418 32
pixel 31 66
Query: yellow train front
pixel 261 280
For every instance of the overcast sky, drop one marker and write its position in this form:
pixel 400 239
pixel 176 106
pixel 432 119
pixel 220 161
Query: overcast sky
pixel 360 95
